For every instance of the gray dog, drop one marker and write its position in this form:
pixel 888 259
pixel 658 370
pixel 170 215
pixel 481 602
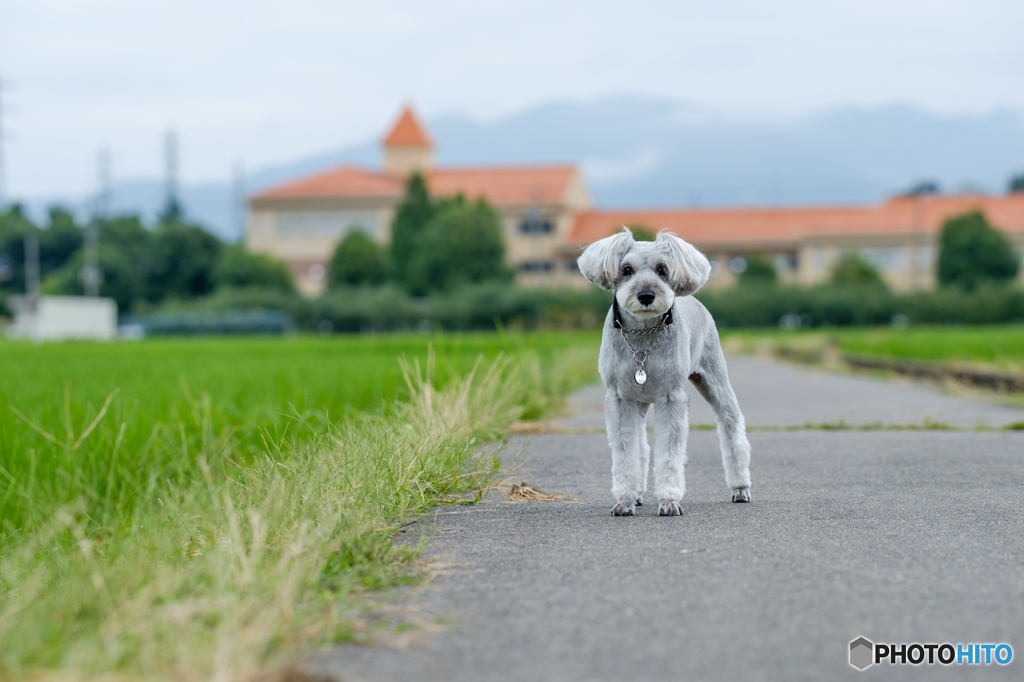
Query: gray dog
pixel 657 336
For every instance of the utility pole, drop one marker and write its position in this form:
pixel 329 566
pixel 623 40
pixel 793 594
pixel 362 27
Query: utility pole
pixel 3 175
pixel 238 200
pixel 91 274
pixel 32 264
pixel 172 209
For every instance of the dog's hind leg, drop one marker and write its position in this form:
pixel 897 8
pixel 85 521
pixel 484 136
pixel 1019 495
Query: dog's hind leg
pixel 712 381
pixel 671 425
pixel 623 420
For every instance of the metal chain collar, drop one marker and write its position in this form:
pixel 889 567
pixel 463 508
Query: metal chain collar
pixel 640 354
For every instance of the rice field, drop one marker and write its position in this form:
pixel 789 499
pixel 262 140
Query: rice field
pixel 205 508
pixel 1000 347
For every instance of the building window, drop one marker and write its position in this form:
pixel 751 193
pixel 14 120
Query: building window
pixel 534 266
pixel 924 257
pixel 886 259
pixel 535 225
pixel 820 259
pixel 572 266
pixel 786 262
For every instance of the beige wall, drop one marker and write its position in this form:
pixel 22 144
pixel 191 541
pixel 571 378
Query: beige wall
pixel 905 263
pixel 403 161
pixel 304 234
pixel 551 247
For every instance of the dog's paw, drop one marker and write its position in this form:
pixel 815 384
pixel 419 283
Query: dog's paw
pixel 639 500
pixel 624 508
pixel 670 508
pixel 741 494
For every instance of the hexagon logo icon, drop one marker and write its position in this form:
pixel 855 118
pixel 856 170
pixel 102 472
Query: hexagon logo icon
pixel 861 653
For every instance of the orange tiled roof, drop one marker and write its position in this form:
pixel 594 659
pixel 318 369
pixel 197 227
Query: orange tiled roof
pixel 778 226
pixel 505 186
pixel 407 132
pixel 346 181
pixel 500 186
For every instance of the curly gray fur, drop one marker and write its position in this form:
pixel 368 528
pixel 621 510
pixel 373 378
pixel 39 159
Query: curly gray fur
pixel 689 349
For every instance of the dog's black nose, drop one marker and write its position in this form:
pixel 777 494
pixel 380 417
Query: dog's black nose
pixel 646 297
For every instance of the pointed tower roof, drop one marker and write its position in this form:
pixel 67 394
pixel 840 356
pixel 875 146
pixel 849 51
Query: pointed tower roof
pixel 407 132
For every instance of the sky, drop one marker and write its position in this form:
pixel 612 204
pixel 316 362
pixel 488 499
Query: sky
pixel 260 82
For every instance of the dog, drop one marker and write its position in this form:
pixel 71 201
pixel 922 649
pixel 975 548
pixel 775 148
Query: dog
pixel 656 337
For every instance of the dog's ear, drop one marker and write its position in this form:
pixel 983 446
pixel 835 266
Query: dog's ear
pixel 600 261
pixel 688 269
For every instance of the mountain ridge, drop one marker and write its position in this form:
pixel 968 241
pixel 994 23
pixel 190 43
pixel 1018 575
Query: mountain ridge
pixel 639 151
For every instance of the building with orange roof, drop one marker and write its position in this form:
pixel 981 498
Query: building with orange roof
pixel 899 236
pixel 302 222
pixel 547 217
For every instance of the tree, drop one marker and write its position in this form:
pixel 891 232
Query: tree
pixel 971 252
pixel 181 262
pixel 759 271
pixel 462 243
pixel 239 268
pixel 59 241
pixel 923 188
pixel 410 223
pixel 1016 183
pixel 123 254
pixel 641 233
pixel 14 227
pixel 357 261
pixel 852 269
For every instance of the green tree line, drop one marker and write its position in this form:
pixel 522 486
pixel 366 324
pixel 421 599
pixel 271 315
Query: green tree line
pixel 141 267
pixel 438 246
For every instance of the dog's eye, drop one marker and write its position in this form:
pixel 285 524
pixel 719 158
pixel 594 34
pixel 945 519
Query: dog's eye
pixel 662 270
pixel 627 270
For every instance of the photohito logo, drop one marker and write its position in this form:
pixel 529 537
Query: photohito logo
pixel 864 653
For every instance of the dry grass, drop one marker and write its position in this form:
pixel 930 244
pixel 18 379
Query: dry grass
pixel 524 492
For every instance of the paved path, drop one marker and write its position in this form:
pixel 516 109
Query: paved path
pixel 781 394
pixel 898 536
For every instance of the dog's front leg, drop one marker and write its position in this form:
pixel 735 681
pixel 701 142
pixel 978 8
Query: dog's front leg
pixel 671 426
pixel 645 451
pixel 622 418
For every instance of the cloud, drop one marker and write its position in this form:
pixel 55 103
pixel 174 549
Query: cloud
pixel 264 81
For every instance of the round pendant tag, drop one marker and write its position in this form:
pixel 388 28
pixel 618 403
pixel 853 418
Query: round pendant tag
pixel 641 377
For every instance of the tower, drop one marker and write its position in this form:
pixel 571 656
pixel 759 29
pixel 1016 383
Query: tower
pixel 408 148
pixel 91 275
pixel 172 207
pixel 238 200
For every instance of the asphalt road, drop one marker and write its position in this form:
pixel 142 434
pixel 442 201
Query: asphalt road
pixel 897 536
pixel 783 394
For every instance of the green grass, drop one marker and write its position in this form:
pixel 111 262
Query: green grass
pixel 237 495
pixel 995 346
pixel 1001 346
pixel 229 399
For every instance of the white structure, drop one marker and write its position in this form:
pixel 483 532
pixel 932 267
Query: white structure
pixel 55 318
